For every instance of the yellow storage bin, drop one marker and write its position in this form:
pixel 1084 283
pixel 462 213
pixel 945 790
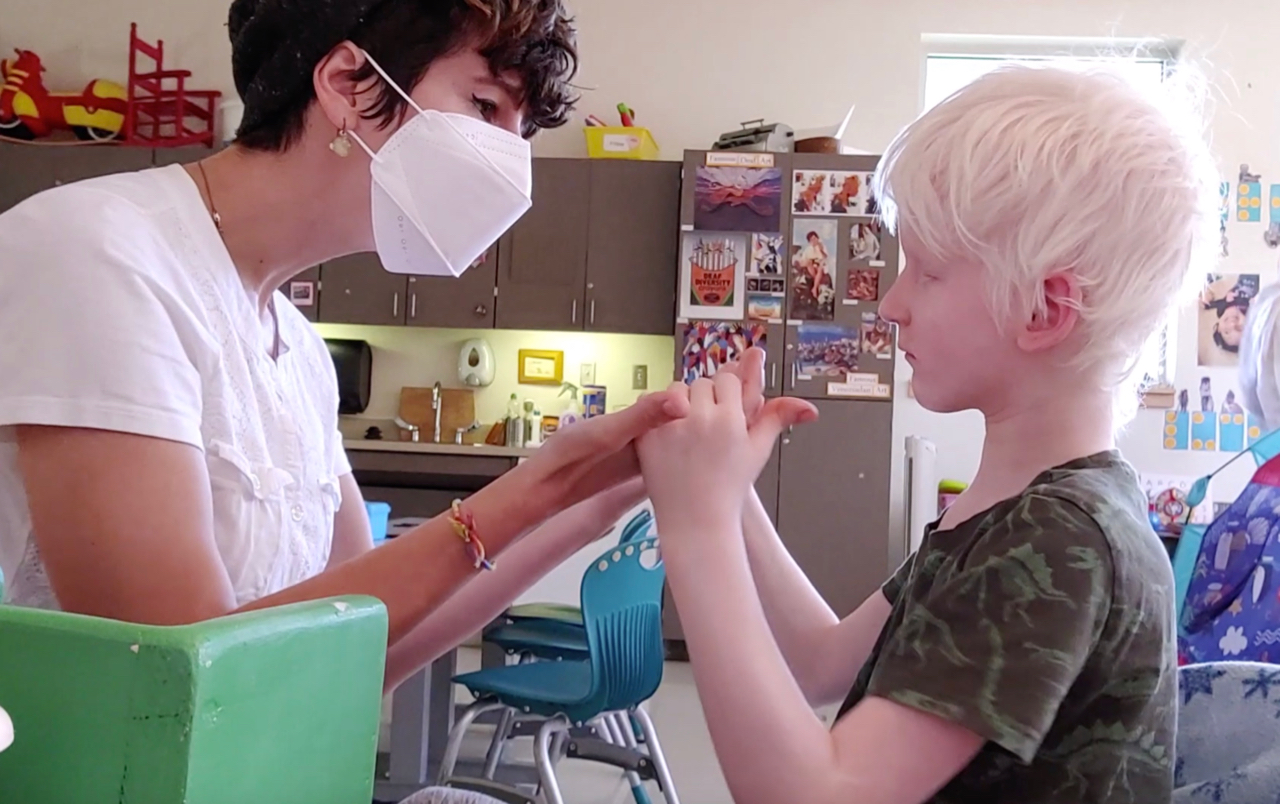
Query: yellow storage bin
pixel 618 142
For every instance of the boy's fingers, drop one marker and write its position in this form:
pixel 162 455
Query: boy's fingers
pixel 728 391
pixel 703 392
pixel 779 414
pixel 751 372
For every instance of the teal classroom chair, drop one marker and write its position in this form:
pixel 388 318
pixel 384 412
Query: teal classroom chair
pixel 555 632
pixel 520 626
pixel 622 620
pixel 270 706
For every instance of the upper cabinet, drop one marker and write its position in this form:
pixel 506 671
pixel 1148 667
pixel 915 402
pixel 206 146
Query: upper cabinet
pixel 462 303
pixel 632 241
pixel 356 290
pixel 597 251
pixel 542 265
pixel 29 169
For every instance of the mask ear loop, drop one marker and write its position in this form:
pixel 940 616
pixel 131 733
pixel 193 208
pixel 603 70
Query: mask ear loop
pixel 383 74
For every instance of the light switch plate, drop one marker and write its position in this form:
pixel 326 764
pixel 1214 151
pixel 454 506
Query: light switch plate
pixel 587 374
pixel 639 378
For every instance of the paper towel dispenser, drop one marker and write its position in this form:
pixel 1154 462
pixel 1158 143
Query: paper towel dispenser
pixel 353 361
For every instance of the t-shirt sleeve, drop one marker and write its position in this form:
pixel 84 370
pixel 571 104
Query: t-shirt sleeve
pixel 892 588
pixel 996 646
pixel 95 334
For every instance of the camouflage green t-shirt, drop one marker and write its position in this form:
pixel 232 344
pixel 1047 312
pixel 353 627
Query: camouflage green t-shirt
pixel 1046 626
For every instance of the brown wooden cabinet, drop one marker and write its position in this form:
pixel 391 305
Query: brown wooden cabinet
pixel 542 262
pixel 465 302
pixel 632 243
pixel 88 162
pixel 356 290
pixel 833 499
pixel 304 291
pixel 24 171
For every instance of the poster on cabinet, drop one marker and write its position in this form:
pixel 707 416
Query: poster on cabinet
pixel 713 276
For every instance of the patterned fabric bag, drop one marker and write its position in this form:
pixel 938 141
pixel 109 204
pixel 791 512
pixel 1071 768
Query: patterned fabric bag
pixel 1232 609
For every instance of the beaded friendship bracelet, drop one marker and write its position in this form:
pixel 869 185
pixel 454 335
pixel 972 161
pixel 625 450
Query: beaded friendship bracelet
pixel 465 526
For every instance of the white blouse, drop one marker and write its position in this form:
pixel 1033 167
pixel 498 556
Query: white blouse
pixel 121 310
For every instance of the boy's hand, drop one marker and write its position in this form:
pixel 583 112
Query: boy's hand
pixel 698 469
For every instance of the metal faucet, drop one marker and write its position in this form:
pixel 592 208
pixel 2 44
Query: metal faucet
pixel 436 406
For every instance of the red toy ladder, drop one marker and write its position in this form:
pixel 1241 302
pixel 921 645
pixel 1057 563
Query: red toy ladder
pixel 162 112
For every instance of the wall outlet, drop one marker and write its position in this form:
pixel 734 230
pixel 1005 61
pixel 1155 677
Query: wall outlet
pixel 639 378
pixel 587 374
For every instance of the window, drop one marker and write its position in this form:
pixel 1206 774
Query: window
pixel 947 72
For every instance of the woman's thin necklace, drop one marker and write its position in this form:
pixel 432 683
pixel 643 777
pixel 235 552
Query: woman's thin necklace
pixel 217 224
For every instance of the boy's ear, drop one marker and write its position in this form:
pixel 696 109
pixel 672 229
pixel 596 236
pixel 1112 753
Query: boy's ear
pixel 1057 321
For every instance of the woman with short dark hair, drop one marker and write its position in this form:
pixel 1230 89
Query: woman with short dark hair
pixel 169 445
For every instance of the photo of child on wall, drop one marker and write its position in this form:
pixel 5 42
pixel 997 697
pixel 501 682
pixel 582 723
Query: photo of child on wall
pixel 1224 307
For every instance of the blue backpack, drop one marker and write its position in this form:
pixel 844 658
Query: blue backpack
pixel 1232 606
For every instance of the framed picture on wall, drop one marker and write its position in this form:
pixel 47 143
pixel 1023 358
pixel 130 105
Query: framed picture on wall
pixel 541 367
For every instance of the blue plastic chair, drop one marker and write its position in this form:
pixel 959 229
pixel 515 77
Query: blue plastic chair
pixel 545 631
pixel 622 613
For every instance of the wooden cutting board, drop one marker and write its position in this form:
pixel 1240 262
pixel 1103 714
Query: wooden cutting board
pixel 458 409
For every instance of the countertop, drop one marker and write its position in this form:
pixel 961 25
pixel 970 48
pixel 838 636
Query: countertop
pixel 427 448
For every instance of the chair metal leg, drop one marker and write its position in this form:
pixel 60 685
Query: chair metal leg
pixel 499 742
pixel 456 735
pixel 655 754
pixel 542 757
pixel 620 725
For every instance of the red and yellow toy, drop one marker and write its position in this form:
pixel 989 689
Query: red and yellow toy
pixel 29 110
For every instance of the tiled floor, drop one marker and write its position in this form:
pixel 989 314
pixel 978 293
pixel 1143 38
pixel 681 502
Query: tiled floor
pixel 676 713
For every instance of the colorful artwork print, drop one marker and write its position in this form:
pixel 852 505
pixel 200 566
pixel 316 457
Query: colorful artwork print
pixel 846 193
pixel 828 350
pixel 813 292
pixel 713 276
pixel 708 345
pixel 877 337
pixel 865 244
pixel 737 199
pixel 764 307
pixel 810 192
pixel 864 286
pixel 766 254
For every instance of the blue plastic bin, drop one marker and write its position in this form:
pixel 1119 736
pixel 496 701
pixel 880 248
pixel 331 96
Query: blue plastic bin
pixel 379 513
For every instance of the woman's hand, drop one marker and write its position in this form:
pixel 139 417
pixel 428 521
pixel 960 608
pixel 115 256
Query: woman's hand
pixel 699 469
pixel 599 453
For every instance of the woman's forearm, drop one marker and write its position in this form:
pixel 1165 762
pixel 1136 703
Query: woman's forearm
pixel 415 574
pixel 487 595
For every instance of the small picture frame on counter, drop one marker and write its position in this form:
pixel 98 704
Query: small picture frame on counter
pixel 541 367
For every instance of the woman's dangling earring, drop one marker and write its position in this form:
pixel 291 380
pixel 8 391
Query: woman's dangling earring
pixel 341 144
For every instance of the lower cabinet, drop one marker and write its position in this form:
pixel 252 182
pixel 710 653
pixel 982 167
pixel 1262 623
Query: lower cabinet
pixel 826 488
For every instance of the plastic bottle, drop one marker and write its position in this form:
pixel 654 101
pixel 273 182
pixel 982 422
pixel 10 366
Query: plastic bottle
pixel 515 423
pixel 533 425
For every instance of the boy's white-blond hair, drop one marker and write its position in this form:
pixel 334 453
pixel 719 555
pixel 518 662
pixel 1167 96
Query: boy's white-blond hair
pixel 1032 170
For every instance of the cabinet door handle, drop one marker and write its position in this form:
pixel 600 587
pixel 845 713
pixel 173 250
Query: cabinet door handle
pixel 593 311
pixel 413 305
pixel 573 313
pixel 773 375
pixel 481 310
pixel 795 372
pixel 395 304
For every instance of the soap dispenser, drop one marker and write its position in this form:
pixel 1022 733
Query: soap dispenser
pixel 476 364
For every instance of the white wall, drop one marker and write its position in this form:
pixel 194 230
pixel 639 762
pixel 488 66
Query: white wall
pixel 695 68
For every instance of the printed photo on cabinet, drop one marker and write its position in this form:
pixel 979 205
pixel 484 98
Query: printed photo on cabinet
pixel 813 250
pixel 737 199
